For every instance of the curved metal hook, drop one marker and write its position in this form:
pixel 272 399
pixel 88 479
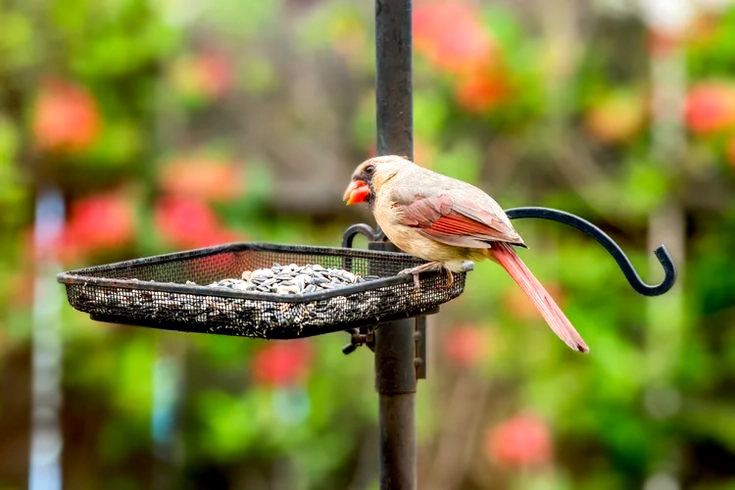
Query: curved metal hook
pixel 366 230
pixel 612 248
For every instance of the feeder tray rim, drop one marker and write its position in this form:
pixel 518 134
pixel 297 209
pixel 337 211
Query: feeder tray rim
pixel 80 277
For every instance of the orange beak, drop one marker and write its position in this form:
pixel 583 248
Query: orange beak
pixel 357 192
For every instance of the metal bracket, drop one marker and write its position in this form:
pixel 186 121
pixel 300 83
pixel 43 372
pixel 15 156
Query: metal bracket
pixel 359 337
pixel 363 335
pixel 419 337
pixel 366 335
pixel 624 263
pixel 663 256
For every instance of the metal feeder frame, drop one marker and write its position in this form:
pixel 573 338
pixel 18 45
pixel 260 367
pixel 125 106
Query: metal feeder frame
pixel 171 291
pixel 400 342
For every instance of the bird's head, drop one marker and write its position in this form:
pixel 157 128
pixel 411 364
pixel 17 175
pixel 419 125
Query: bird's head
pixel 370 175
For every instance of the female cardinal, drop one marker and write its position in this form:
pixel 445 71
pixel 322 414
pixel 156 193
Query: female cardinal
pixel 446 222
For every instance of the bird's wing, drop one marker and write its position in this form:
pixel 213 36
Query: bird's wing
pixel 450 219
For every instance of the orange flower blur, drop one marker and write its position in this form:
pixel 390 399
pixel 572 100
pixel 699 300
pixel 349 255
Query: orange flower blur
pixel 450 36
pixel 65 118
pixel 453 40
pixel 616 117
pixel 482 90
pixel 200 177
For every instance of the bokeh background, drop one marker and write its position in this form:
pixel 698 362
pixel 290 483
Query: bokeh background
pixel 136 127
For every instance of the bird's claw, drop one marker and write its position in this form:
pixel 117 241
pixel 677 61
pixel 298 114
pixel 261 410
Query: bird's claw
pixel 414 273
pixel 416 281
pixel 450 277
pixel 429 266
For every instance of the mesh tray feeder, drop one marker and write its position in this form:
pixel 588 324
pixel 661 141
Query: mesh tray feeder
pixel 153 291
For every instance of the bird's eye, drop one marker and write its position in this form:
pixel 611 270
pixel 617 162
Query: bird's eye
pixel 370 169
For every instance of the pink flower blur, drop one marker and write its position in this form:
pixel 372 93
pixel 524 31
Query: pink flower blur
pixel 710 107
pixel 465 345
pixel 522 441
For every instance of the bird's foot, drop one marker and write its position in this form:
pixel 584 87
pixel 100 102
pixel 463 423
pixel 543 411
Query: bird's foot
pixel 450 277
pixel 429 266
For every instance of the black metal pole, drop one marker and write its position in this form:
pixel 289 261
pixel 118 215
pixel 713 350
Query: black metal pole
pixel 395 374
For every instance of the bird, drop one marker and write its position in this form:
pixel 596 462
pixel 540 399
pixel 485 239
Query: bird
pixel 446 222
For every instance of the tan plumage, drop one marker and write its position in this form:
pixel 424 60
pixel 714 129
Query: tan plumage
pixel 446 222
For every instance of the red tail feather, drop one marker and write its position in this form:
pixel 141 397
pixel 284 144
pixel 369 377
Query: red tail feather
pixel 503 254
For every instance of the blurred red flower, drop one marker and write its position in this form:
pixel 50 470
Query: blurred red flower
pixel 97 223
pixel 206 75
pixel 451 37
pixel 65 118
pixel 710 107
pixel 616 117
pixel 282 363
pixel 466 345
pixel 189 223
pixel 522 441
pixel 201 177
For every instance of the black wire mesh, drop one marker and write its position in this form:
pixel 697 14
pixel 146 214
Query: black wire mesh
pixel 152 291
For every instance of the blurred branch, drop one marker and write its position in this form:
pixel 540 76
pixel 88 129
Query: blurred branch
pixel 457 443
pixel 561 25
pixel 667 223
pixel 580 169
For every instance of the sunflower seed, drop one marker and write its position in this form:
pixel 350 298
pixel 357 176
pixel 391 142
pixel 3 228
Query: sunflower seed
pixel 292 279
